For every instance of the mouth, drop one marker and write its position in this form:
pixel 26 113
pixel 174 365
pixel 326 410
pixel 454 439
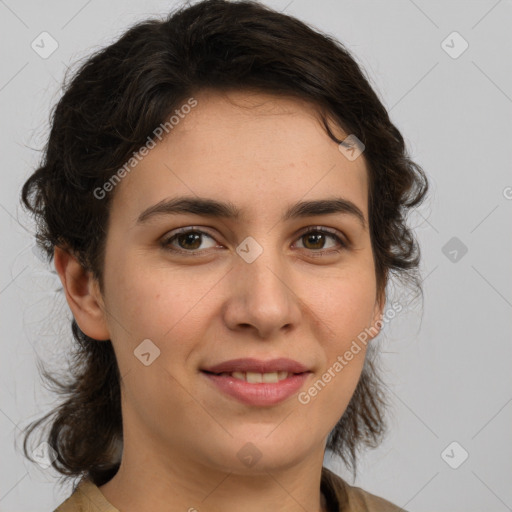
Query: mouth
pixel 238 386
pixel 255 377
pixel 251 365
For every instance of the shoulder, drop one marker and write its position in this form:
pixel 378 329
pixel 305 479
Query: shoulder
pixel 361 500
pixel 350 498
pixel 86 498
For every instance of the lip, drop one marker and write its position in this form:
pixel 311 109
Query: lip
pixel 281 364
pixel 259 394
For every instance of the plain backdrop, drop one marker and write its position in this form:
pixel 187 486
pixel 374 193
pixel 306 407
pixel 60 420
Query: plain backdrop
pixel 447 361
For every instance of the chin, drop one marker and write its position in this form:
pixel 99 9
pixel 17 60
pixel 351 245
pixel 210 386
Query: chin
pixel 254 451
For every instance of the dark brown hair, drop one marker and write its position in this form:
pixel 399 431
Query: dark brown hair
pixel 108 110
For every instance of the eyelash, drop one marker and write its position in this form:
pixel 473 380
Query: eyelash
pixel 166 242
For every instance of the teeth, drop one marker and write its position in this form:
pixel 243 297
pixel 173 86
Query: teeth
pixel 269 377
pixel 255 378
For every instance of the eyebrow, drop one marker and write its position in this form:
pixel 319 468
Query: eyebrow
pixel 227 210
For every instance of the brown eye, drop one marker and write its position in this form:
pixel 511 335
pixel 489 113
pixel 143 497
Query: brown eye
pixel 186 240
pixel 314 239
pixel 191 240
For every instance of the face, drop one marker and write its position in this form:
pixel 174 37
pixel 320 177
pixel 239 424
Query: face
pixel 207 289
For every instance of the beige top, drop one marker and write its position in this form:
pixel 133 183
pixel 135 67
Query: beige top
pixel 339 496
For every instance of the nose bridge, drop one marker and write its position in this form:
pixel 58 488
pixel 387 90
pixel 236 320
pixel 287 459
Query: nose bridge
pixel 259 271
pixel 262 295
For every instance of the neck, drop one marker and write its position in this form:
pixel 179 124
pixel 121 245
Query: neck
pixel 156 484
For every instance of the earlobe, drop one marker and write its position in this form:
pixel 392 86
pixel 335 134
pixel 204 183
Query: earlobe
pixel 82 295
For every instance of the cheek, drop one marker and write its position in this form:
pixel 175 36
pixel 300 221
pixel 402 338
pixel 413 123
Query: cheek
pixel 347 307
pixel 158 302
pixel 345 312
pixel 326 399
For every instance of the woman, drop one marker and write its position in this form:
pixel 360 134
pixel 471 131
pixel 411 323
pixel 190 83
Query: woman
pixel 224 197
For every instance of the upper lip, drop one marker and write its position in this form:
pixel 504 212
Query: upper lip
pixel 281 364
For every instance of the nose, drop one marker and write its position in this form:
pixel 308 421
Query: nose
pixel 262 297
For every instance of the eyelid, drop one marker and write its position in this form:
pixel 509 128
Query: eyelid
pixel 166 239
pixel 330 231
pixel 342 239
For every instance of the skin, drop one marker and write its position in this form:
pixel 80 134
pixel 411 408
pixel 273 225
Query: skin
pixel 181 434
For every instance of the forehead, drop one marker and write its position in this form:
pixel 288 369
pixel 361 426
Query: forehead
pixel 257 150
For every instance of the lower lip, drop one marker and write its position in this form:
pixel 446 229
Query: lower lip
pixel 260 394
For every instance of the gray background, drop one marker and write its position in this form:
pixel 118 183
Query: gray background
pixel 448 368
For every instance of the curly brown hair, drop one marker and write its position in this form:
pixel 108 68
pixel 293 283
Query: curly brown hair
pixel 109 109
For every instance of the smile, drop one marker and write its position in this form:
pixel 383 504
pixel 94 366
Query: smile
pixel 258 389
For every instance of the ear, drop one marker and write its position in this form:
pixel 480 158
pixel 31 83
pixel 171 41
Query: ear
pixel 83 295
